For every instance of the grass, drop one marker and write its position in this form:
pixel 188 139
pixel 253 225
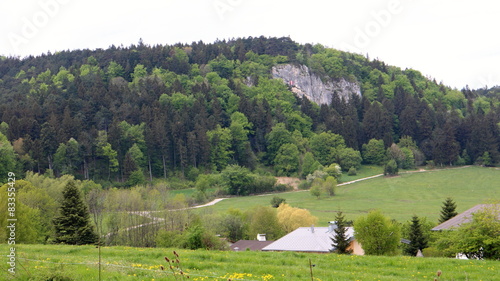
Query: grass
pixel 42 262
pixel 398 197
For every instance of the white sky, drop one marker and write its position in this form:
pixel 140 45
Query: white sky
pixel 456 42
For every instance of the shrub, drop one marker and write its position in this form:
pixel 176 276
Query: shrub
pixel 262 184
pixel 276 201
pixel 136 178
pixel 315 191
pixel 391 168
pixel 168 239
pixel 237 180
pixel 304 185
pixel 334 170
pixel 281 187
pixel 352 172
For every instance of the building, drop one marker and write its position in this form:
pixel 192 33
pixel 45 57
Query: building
pixel 312 239
pixel 464 217
pixel 251 245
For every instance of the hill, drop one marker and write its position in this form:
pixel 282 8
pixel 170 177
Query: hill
pixel 40 262
pixel 132 124
pixel 166 110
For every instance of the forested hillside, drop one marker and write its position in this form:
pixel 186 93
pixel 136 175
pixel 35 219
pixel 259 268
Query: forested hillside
pixel 146 112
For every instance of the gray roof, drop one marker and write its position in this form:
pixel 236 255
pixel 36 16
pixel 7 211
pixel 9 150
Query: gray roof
pixel 252 245
pixel 303 239
pixel 462 218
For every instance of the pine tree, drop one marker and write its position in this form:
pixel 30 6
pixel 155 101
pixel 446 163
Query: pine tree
pixel 448 210
pixel 418 241
pixel 73 225
pixel 340 239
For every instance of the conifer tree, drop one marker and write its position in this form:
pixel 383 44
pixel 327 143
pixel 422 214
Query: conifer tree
pixel 73 225
pixel 448 210
pixel 418 241
pixel 340 239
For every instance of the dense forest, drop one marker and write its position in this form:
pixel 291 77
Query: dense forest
pixel 143 112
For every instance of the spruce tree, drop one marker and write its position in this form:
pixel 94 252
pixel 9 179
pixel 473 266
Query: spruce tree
pixel 448 210
pixel 73 226
pixel 340 239
pixel 418 241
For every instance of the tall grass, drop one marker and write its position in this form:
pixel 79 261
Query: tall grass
pixel 42 262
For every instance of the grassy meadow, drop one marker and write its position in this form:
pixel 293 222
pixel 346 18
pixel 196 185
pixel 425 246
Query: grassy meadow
pixel 419 193
pixel 58 262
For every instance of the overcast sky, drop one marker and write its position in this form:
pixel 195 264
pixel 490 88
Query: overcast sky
pixel 456 42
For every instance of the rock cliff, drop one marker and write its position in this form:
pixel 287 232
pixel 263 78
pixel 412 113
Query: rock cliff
pixel 305 83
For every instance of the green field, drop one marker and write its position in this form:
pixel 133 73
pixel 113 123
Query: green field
pixel 398 197
pixel 56 262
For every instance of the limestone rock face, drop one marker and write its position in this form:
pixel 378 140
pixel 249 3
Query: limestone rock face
pixel 305 83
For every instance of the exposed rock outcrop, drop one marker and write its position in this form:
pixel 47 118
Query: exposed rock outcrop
pixel 305 83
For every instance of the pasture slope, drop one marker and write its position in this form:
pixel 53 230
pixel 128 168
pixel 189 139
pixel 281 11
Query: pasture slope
pixel 419 193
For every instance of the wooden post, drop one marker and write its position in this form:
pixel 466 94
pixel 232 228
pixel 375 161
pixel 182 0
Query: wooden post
pixel 311 269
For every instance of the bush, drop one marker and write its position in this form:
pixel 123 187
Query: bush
pixel 352 172
pixel 329 185
pixel 136 178
pixel 168 239
pixel 282 187
pixel 304 185
pixel 276 201
pixel 192 173
pixel 318 174
pixel 315 191
pixel 237 180
pixel 334 170
pixel 262 184
pixel 200 197
pixel 391 168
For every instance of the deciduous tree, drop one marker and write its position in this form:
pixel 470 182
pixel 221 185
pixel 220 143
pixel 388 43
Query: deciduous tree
pixel 291 218
pixel 378 235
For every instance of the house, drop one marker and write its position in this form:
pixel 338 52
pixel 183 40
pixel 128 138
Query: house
pixel 312 239
pixel 252 245
pixel 462 218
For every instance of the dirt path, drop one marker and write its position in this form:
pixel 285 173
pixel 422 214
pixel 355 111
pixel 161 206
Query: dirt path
pixel 361 179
